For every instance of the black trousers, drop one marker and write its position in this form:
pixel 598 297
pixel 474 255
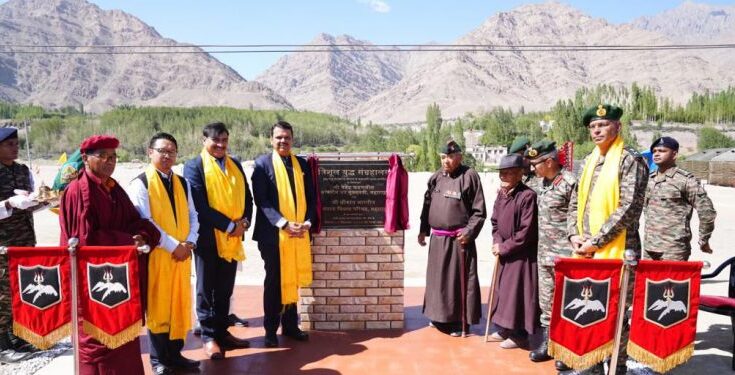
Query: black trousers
pixel 215 281
pixel 164 350
pixel 274 314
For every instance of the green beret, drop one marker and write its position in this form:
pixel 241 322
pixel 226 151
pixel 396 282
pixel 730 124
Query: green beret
pixel 601 112
pixel 519 144
pixel 540 149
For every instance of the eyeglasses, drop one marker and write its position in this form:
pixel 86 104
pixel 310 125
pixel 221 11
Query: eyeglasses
pixel 165 152
pixel 105 157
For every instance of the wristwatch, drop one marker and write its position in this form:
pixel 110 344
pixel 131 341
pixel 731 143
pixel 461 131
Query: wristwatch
pixel 193 245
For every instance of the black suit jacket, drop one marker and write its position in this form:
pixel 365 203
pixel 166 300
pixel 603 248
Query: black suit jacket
pixel 209 218
pixel 266 199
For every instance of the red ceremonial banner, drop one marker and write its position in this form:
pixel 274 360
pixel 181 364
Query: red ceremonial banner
pixel 40 280
pixel 665 306
pixel 584 311
pixel 109 293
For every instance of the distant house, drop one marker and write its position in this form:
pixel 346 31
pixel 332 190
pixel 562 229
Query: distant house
pixel 485 155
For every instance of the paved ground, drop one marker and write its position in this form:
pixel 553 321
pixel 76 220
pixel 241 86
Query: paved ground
pixel 359 352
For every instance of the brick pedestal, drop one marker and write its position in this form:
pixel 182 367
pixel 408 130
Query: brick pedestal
pixel 358 281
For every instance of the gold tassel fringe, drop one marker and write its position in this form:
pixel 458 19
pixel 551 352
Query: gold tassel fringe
pixel 661 365
pixel 113 341
pixel 41 342
pixel 577 362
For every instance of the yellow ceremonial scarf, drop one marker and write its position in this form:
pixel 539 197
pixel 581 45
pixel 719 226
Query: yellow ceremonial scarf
pixel 603 199
pixel 295 252
pixel 226 194
pixel 169 285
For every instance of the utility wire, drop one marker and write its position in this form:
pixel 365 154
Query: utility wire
pixel 332 48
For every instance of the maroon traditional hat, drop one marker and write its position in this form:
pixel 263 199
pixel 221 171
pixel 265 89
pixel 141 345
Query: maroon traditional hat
pixel 97 142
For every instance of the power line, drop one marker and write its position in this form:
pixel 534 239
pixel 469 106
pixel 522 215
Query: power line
pixel 333 48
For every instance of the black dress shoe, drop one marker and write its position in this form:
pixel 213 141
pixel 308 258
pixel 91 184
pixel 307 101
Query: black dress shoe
pixel 297 335
pixel 183 363
pixel 160 369
pixel 236 321
pixel 231 342
pixel 271 341
pixel 561 366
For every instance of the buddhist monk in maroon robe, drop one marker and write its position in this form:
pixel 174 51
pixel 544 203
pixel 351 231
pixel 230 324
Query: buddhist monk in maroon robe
pixel 97 211
pixel 515 240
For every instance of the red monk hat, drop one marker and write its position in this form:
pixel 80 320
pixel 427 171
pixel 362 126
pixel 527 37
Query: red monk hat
pixel 97 142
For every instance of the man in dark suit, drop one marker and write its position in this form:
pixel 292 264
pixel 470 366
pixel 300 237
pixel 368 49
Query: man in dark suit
pixel 271 223
pixel 219 246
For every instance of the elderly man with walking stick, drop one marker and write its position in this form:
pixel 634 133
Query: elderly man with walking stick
pixel 453 213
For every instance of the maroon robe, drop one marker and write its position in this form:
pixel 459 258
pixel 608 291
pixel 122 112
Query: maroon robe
pixel 95 216
pixel 396 196
pixel 515 229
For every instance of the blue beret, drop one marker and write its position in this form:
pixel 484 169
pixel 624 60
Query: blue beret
pixel 8 133
pixel 667 142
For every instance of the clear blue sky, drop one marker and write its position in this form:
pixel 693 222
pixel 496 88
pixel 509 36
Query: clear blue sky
pixel 376 21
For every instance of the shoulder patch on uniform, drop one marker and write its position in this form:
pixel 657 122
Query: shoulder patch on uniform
pixel 684 172
pixel 569 177
pixel 633 152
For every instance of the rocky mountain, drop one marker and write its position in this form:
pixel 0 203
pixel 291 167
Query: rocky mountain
pixel 461 82
pixel 334 82
pixel 101 81
pixel 693 23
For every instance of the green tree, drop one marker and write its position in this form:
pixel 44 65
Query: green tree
pixel 712 138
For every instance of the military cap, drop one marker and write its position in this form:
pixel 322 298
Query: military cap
pixel 8 133
pixel 450 148
pixel 98 142
pixel 519 144
pixel 539 149
pixel 511 161
pixel 667 142
pixel 602 112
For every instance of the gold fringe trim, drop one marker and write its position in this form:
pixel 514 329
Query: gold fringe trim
pixel 113 341
pixel 42 342
pixel 661 365
pixel 571 359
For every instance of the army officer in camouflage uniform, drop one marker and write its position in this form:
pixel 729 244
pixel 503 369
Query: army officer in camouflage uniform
pixel 16 229
pixel 613 171
pixel 671 195
pixel 555 191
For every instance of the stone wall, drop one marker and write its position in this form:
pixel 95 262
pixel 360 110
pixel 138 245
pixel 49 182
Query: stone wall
pixel 358 281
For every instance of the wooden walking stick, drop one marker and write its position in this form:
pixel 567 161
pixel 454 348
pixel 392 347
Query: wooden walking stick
pixel 492 295
pixel 463 289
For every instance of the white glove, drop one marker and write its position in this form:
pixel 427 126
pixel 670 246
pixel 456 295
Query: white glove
pixel 22 200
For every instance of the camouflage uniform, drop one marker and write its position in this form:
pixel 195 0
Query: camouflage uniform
pixel 16 230
pixel 553 203
pixel 633 174
pixel 670 198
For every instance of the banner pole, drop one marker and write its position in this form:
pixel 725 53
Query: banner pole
pixel 629 263
pixel 73 243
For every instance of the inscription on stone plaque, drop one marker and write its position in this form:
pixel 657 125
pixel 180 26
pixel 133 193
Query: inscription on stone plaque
pixel 353 193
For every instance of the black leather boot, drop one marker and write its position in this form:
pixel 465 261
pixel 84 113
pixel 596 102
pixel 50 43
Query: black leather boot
pixel 541 354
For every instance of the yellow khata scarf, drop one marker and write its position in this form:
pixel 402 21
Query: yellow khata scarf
pixel 226 194
pixel 295 252
pixel 603 199
pixel 169 288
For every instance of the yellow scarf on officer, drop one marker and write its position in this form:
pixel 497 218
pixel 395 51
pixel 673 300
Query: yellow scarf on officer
pixel 603 199
pixel 295 252
pixel 169 284
pixel 226 194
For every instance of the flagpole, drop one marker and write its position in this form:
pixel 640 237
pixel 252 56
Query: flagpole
pixel 629 263
pixel 73 243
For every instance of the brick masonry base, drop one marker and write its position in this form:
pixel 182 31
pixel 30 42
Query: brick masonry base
pixel 358 281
